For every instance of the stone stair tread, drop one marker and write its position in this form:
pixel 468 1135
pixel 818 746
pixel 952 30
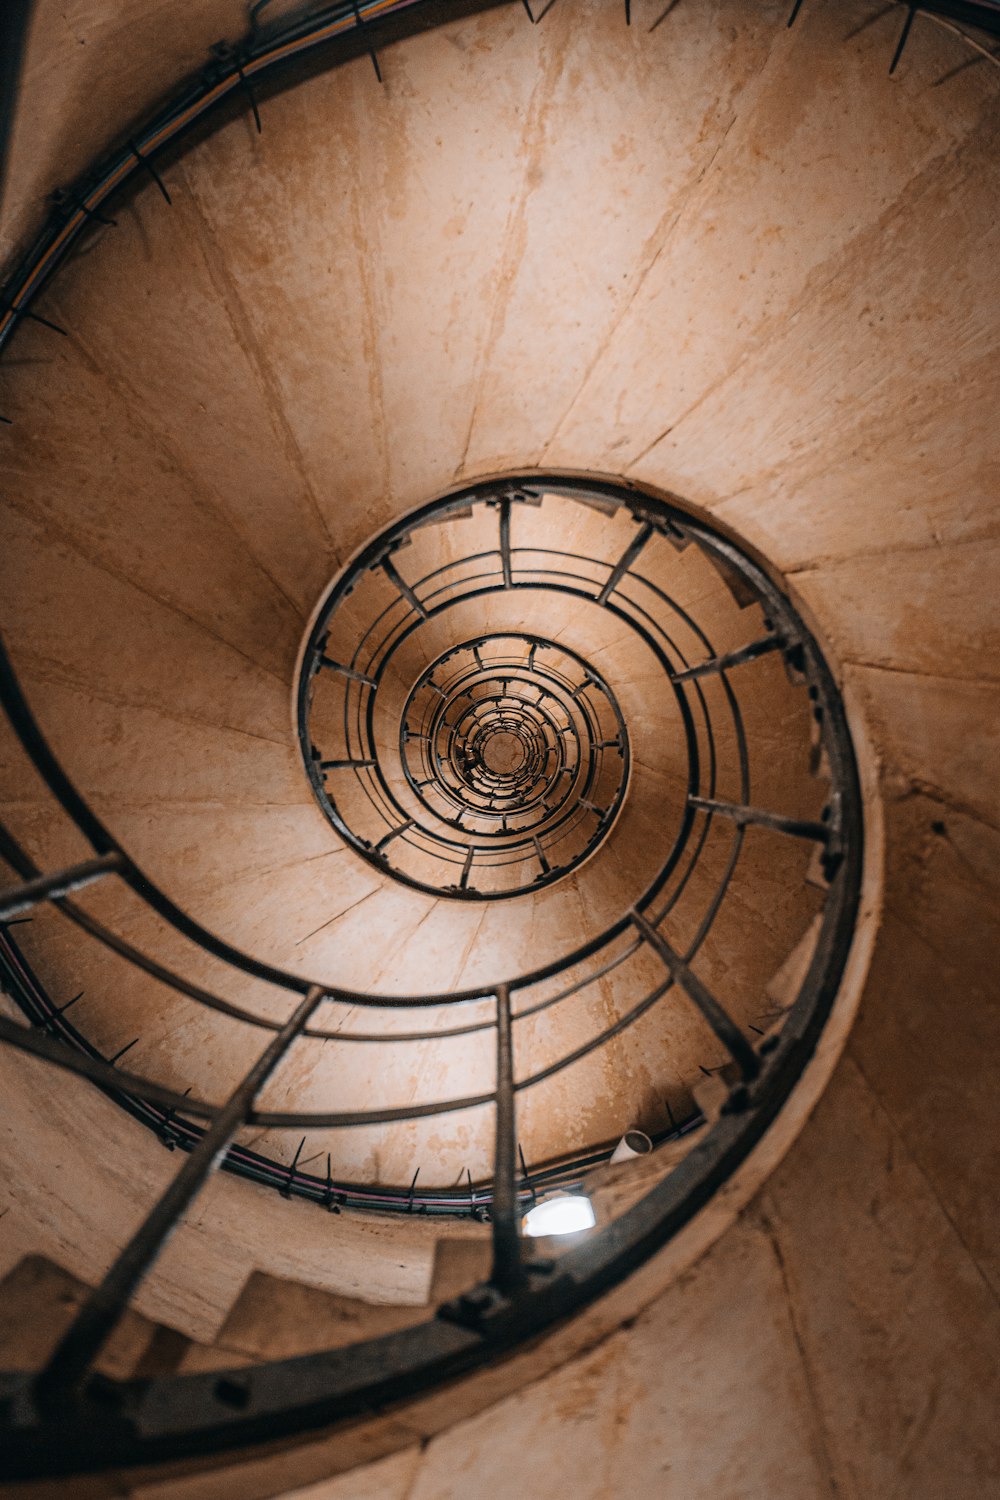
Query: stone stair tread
pixel 38 1301
pixel 202 1359
pixel 615 1188
pixel 784 986
pixel 276 1318
pixel 458 1265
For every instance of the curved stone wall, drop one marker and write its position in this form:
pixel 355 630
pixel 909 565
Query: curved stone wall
pixel 723 257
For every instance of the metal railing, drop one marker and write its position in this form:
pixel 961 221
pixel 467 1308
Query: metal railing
pixel 466 829
pixel 330 1191
pixel 520 1295
pixel 65 1418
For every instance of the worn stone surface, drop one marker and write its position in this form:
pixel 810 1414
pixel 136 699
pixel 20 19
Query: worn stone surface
pixel 725 257
pixel 214 803
pixel 90 70
pixel 673 1406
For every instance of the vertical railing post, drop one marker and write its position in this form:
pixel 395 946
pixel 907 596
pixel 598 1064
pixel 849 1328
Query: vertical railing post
pixel 74 1356
pixel 508 1271
pixel 505 561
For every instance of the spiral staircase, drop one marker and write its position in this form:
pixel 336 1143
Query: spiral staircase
pixel 415 780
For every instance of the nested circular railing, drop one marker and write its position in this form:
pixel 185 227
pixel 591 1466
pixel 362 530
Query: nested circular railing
pixel 513 749
pixel 514 757
pixel 707 686
pixel 64 1417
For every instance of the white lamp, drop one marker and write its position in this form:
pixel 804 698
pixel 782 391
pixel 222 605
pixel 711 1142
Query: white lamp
pixel 563 1213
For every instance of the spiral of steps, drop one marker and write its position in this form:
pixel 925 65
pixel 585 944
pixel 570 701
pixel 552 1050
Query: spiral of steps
pixel 711 787
pixel 447 593
pixel 684 778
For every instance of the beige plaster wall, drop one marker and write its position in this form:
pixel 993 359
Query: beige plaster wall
pixel 184 793
pixel 735 261
pixel 91 72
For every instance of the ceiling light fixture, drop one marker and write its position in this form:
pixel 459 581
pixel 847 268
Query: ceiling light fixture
pixel 563 1213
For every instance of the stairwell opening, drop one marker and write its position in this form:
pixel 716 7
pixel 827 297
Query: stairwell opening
pixel 697 766
pixel 563 802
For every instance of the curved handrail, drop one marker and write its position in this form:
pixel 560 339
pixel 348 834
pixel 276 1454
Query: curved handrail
pixel 633 925
pixel 167 1417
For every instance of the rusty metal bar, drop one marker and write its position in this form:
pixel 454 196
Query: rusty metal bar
pixel 508 1271
pixel 715 1014
pixel 336 666
pixel 393 833
pixel 399 582
pixel 508 577
pixel 74 1355
pixel 731 659
pixel 50 887
pixel 802 828
pixel 626 560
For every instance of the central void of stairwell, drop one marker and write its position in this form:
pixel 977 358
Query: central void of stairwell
pixel 478 766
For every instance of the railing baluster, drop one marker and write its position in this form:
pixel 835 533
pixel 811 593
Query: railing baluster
pixel 50 887
pixel 752 652
pixel 74 1355
pixel 626 560
pixel 393 833
pixel 801 828
pixel 508 1270
pixel 508 577
pixel 399 582
pixel 349 672
pixel 715 1014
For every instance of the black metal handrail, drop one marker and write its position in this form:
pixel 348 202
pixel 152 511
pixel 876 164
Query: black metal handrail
pixel 452 714
pixel 165 1112
pixel 48 1418
pixel 760 1077
pixel 465 832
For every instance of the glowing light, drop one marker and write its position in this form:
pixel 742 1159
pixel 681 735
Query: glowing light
pixel 563 1213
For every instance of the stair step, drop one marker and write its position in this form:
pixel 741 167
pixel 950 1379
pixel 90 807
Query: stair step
pixel 38 1301
pixel 459 1265
pixel 273 1318
pixel 784 987
pixel 614 1188
pixel 203 1359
